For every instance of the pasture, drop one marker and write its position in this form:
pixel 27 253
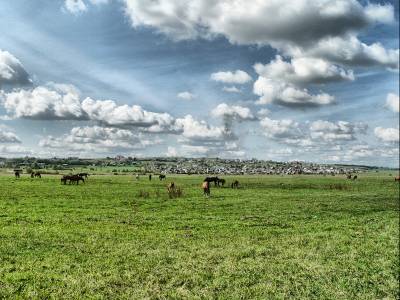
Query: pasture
pixel 303 237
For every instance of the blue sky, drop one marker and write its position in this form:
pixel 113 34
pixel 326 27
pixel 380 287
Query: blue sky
pixel 331 96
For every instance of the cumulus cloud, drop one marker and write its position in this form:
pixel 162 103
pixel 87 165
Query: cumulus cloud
pixel 97 139
pixel 292 28
pixel 349 50
pixel 236 77
pixel 7 136
pixel 46 103
pixel 281 129
pixel 108 112
pixel 237 112
pixel 12 72
pixel 63 102
pixel 388 135
pixel 286 94
pixel 256 22
pixel 339 131
pixel 392 102
pixel 186 96
pixel 303 70
pixel 195 130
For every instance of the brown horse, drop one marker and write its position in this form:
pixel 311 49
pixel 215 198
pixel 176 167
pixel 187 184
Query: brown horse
pixel 171 187
pixel 206 188
pixel 162 177
pixel 397 178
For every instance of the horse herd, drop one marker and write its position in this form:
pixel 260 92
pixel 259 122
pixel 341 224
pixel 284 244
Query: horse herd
pixel 218 182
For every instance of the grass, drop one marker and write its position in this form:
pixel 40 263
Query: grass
pixel 303 237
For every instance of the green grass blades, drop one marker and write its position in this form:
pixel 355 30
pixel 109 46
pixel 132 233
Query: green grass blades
pixel 115 237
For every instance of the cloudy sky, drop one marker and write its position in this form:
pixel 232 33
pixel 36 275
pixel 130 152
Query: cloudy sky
pixel 313 80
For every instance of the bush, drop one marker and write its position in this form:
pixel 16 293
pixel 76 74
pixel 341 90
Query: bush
pixel 143 194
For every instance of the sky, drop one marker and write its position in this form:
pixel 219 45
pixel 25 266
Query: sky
pixel 308 80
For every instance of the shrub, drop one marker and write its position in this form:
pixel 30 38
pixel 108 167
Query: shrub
pixel 143 194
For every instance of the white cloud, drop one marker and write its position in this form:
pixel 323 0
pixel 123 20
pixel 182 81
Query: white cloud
pixel 303 70
pixel 7 136
pixel 282 24
pixel 231 89
pixel 186 96
pixel 75 6
pixel 11 70
pixel 281 129
pixel 171 152
pixel 388 135
pixel 62 102
pixel 349 50
pixel 14 151
pixel 97 139
pixel 235 111
pixel 47 103
pixel 333 132
pixel 108 112
pixel 236 77
pixel 256 22
pixel 392 102
pixel 195 130
pixel 285 94
pixel 80 6
pixel 263 112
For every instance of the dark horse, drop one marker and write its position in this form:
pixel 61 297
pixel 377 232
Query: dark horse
pixel 235 184
pixel 36 174
pixel 221 182
pixel 17 175
pixel 162 177
pixel 84 175
pixel 214 179
pixel 74 179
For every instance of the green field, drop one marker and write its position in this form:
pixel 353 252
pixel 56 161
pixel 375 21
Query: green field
pixel 298 237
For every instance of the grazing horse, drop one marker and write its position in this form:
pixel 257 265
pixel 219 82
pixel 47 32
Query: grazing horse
pixel 214 179
pixel 162 177
pixel 348 176
pixel 64 179
pixel 171 188
pixel 206 188
pixel 72 179
pixel 235 184
pixel 354 177
pixel 17 175
pixel 221 181
pixel 397 178
pixel 149 177
pixel 37 174
pixel 84 175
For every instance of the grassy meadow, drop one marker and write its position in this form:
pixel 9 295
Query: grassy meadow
pixel 292 237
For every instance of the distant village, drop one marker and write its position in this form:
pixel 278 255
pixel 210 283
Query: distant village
pixel 163 165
